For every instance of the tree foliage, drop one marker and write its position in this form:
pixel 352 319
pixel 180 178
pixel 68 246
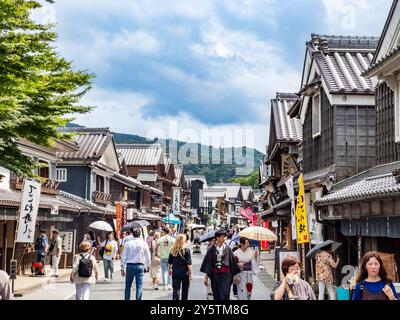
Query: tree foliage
pixel 39 90
pixel 250 181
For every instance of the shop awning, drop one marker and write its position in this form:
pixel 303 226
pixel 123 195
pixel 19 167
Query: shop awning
pixel 378 227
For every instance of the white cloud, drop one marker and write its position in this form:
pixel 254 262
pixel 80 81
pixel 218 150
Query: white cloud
pixel 46 14
pixel 121 112
pixel 361 17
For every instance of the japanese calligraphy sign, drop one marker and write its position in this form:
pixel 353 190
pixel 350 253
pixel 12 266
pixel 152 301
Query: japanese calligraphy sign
pixel 176 201
pixel 244 213
pixel 301 215
pixel 290 191
pixel 67 238
pixel 28 211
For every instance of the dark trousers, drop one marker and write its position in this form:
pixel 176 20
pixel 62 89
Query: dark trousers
pixel 180 279
pixel 221 284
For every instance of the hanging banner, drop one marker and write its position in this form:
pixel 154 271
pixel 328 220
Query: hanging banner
pixel 244 213
pixel 290 190
pixel 301 216
pixel 124 216
pixel 28 211
pixel 67 241
pixel 264 244
pixel 118 216
pixel 176 201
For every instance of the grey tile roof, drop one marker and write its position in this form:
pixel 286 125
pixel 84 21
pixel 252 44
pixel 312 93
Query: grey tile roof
pixel 342 61
pixel 286 129
pixel 214 192
pixel 318 175
pixel 384 60
pixel 232 189
pixel 370 184
pixel 275 208
pixel 92 143
pixel 141 154
pixel 246 191
pixel 147 176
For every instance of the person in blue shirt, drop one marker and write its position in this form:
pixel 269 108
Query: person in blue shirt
pixel 372 280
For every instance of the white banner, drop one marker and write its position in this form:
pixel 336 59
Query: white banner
pixel 176 201
pixel 290 190
pixel 315 227
pixel 28 211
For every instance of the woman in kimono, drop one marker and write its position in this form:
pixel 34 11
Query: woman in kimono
pixel 246 258
pixel 220 267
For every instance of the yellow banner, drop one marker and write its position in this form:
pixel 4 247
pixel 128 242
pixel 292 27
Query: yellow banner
pixel 301 215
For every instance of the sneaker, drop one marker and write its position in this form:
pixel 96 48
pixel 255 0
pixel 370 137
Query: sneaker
pixel 156 288
pixel 165 288
pixel 169 287
pixel 106 280
pixel 111 276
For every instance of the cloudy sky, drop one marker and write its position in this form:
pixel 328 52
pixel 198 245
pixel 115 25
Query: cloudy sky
pixel 177 68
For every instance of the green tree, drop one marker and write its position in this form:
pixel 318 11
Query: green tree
pixel 39 90
pixel 250 181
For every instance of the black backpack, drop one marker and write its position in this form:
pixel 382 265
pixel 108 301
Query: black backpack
pixel 85 267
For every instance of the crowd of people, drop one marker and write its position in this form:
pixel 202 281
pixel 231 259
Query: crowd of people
pixel 227 265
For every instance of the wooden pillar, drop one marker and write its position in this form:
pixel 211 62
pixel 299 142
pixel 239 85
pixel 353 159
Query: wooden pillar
pixel 4 248
pixel 289 237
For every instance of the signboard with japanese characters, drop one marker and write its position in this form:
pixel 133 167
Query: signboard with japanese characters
pixel 118 215
pixel 176 201
pixel 301 216
pixel 28 211
pixel 67 241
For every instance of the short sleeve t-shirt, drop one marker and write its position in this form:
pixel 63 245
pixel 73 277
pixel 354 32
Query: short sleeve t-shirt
pixel 165 244
pixel 110 249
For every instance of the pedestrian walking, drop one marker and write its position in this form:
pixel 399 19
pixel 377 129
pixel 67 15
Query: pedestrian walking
pixel 292 287
pixel 155 267
pixel 90 237
pixel 324 273
pixel 220 267
pixel 180 268
pixel 135 260
pixel 163 248
pixel 5 287
pixel 41 247
pixel 373 282
pixel 127 238
pixel 246 258
pixel 55 251
pixel 110 250
pixel 85 271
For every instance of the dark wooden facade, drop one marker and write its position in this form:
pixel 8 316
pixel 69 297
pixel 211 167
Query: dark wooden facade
pixel 387 150
pixel 347 139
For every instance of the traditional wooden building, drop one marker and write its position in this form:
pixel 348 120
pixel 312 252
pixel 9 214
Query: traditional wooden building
pixel 337 111
pixel 285 135
pixel 149 165
pixel 365 208
pixel 196 184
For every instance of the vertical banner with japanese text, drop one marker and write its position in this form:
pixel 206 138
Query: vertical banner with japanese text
pixel 28 211
pixel 118 216
pixel 301 215
pixel 124 216
pixel 176 203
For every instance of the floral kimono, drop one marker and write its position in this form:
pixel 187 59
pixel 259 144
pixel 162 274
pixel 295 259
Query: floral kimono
pixel 245 285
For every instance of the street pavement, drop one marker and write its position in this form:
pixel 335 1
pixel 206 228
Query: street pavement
pixel 62 289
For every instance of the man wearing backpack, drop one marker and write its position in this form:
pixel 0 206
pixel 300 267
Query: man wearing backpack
pixel 41 247
pixel 85 271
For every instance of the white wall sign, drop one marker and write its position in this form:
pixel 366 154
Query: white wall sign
pixel 290 190
pixel 28 211
pixel 176 203
pixel 67 238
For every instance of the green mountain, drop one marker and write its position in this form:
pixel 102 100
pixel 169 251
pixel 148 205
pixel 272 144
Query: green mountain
pixel 216 164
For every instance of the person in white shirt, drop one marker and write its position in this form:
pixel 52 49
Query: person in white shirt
pixel 110 254
pixel 135 259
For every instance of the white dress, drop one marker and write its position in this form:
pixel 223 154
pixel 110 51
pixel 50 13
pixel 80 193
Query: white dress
pixel 245 285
